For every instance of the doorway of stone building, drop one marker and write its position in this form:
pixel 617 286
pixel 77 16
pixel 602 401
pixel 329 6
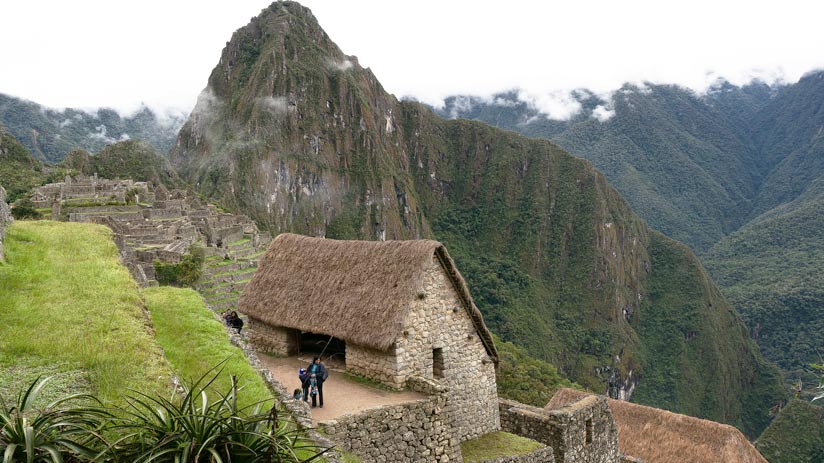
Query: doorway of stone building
pixel 333 349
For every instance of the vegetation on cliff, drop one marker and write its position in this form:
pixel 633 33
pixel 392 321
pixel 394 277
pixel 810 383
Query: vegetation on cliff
pixel 736 173
pixel 796 435
pixel 133 159
pixel 19 171
pixel 296 134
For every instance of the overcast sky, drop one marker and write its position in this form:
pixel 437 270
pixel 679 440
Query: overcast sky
pixel 87 54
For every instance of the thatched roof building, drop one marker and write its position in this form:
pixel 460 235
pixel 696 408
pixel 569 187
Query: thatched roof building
pixel 658 436
pixel 399 311
pixel 358 291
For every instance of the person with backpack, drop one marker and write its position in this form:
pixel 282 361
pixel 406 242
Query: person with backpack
pixel 318 369
pixel 304 383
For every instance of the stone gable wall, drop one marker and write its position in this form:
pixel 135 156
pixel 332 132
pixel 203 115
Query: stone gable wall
pixel 414 432
pixel 438 320
pixel 582 432
pixel 5 219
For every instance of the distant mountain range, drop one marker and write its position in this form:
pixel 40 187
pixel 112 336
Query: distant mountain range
pixel 50 134
pixel 737 173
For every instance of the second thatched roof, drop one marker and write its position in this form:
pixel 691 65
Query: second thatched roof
pixel 358 291
pixel 658 436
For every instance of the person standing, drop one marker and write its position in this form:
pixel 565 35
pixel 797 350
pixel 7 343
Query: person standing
pixel 319 370
pixel 304 383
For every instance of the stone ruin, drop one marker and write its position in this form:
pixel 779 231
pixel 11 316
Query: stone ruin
pixel 5 219
pixel 150 223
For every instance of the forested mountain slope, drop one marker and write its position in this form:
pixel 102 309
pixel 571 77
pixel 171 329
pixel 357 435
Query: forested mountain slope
pixel 298 135
pixel 737 173
pixel 50 134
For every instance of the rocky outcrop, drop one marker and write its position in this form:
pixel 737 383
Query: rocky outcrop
pixel 5 219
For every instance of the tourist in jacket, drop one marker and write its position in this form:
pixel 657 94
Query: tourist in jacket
pixel 319 370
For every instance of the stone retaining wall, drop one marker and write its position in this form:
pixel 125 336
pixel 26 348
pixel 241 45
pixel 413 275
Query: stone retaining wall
pixel 273 339
pixel 542 455
pixel 581 432
pixel 5 219
pixel 420 431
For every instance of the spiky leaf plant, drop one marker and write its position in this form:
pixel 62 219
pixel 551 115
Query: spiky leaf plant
pixel 62 431
pixel 189 427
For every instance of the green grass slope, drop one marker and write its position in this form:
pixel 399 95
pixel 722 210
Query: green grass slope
pixel 195 342
pixel 796 435
pixel 68 305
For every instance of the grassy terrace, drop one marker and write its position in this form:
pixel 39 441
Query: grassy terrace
pixel 497 444
pixel 194 341
pixel 68 306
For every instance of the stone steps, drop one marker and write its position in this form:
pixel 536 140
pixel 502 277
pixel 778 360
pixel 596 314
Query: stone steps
pixel 245 244
pixel 226 266
pixel 227 277
pixel 243 253
pixel 224 288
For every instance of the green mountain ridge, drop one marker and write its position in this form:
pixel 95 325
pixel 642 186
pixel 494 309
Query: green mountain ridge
pixel 302 138
pixel 737 173
pixel 50 134
pixel 133 159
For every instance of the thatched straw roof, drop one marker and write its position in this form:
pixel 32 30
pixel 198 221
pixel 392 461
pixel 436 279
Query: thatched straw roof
pixel 658 436
pixel 358 291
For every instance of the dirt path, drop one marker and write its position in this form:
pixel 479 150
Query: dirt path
pixel 341 396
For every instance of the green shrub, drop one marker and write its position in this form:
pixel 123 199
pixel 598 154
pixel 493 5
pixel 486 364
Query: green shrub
pixel 184 273
pixel 24 209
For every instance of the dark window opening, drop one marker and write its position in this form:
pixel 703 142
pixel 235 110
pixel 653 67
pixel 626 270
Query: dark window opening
pixel 333 349
pixel 589 431
pixel 437 363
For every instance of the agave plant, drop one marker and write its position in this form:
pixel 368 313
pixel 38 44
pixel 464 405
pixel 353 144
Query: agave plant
pixel 191 428
pixel 62 431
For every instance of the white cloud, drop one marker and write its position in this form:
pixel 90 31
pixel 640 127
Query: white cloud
pixel 340 66
pixel 535 46
pixel 603 113
pixel 558 105
pixel 461 104
pixel 274 104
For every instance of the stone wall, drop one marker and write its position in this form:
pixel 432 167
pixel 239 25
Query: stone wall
pixel 419 431
pixel 374 364
pixel 5 219
pixel 581 432
pixel 542 455
pixel 276 340
pixel 437 320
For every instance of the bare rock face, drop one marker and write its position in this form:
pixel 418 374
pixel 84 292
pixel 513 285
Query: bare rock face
pixel 5 219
